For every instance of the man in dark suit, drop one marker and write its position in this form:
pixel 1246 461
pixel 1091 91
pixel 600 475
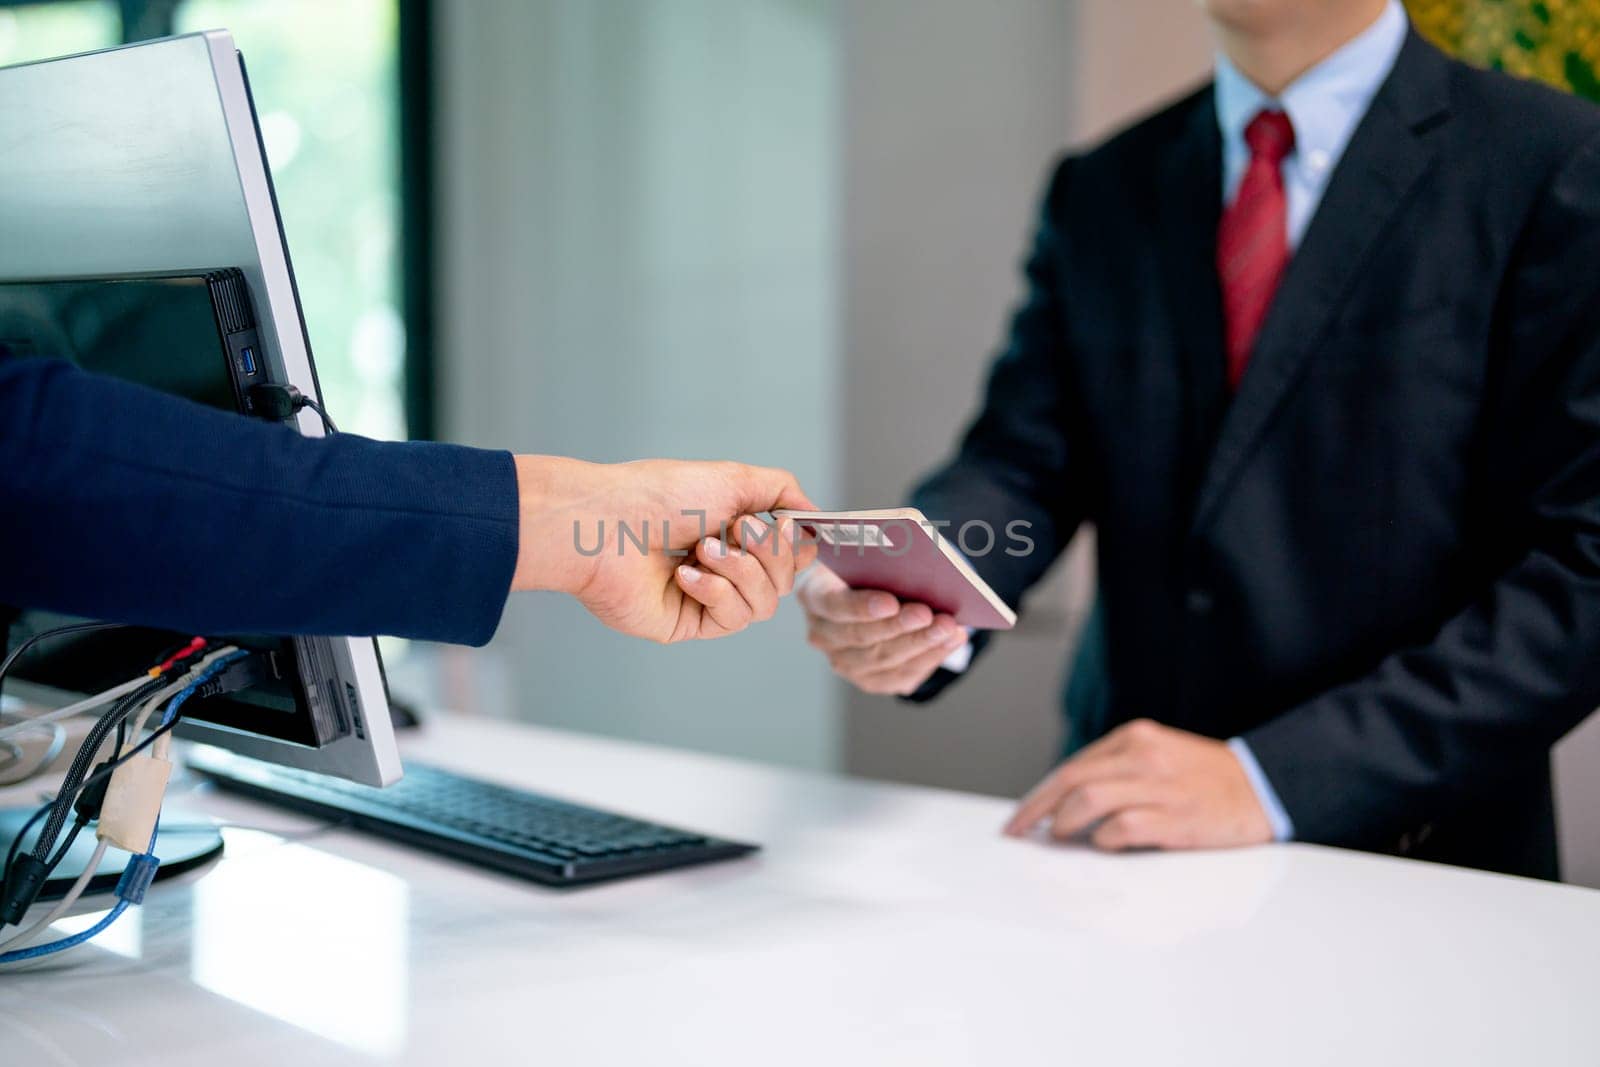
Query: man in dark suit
pixel 1317 349
pixel 121 503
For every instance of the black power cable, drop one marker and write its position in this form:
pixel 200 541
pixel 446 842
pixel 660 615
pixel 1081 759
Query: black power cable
pixel 16 845
pixel 281 402
pixel 90 747
pixel 42 635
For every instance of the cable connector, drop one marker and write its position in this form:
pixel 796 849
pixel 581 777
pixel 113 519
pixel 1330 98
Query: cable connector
pixel 133 803
pixel 280 402
pixel 274 401
pixel 93 797
pixel 136 877
pixel 252 670
pixel 23 884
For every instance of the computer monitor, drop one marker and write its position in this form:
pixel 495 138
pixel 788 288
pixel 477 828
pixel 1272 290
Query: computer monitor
pixel 148 159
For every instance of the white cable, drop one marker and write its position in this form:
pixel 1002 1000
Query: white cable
pixel 88 704
pixel 22 937
pixel 137 720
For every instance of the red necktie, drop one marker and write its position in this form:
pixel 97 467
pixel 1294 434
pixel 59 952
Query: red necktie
pixel 1253 238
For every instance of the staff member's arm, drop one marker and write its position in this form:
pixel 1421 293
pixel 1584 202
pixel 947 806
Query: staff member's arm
pixel 1498 684
pixel 125 504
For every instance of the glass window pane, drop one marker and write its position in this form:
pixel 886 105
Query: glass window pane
pixel 323 74
pixel 42 31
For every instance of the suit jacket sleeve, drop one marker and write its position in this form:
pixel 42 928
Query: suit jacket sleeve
pixel 1518 667
pixel 1016 469
pixel 126 504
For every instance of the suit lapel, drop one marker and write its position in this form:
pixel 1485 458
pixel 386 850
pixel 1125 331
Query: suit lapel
pixel 1383 163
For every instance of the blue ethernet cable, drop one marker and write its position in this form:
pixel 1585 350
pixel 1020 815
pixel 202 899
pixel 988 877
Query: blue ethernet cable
pixel 136 878
pixel 141 869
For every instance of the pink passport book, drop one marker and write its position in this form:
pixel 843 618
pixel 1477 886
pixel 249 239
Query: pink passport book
pixel 900 551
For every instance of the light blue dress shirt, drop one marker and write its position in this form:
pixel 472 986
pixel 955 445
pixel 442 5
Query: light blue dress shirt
pixel 1325 104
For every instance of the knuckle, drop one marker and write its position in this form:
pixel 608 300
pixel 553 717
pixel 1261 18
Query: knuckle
pixel 1141 730
pixel 1113 833
pixel 858 603
pixel 831 607
pixel 1156 762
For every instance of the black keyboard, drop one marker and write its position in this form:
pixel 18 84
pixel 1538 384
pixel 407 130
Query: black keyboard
pixel 555 842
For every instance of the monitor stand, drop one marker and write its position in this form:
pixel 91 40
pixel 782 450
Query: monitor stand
pixel 182 846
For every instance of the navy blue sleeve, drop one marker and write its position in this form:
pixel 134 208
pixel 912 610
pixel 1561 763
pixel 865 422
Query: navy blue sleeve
pixel 122 503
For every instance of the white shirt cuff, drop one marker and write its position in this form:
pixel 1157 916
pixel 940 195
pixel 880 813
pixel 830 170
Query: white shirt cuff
pixel 958 661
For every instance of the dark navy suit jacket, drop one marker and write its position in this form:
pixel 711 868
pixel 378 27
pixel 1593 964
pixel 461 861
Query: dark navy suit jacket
pixel 121 503
pixel 1378 561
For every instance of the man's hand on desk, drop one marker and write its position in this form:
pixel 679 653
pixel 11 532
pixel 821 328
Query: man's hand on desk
pixel 1145 785
pixel 639 544
pixel 871 639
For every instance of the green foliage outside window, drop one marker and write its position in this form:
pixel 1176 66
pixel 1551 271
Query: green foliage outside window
pixel 324 78
pixel 1555 41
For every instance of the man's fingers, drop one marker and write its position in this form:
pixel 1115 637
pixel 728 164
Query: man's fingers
pixel 1091 802
pixel 843 604
pixel 742 569
pixel 909 676
pixel 726 608
pixel 832 636
pixel 1096 762
pixel 1140 827
pixel 943 633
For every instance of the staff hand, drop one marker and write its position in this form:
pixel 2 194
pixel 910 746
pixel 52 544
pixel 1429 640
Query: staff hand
pixel 871 639
pixel 1145 785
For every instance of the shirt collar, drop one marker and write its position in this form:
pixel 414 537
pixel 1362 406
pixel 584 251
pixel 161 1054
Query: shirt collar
pixel 1327 101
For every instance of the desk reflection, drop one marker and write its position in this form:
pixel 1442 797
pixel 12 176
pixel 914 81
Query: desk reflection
pixel 255 933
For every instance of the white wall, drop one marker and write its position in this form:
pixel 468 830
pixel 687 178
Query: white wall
pixel 638 231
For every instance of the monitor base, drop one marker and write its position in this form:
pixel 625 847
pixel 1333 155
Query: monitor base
pixel 182 847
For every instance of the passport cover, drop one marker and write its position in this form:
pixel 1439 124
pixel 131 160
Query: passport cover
pixel 900 551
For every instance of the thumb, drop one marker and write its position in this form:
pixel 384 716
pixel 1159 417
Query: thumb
pixel 768 488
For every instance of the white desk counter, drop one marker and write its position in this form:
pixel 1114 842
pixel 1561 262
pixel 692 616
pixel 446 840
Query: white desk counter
pixel 881 925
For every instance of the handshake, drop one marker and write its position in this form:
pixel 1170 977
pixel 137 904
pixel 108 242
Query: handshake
pixel 677 551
